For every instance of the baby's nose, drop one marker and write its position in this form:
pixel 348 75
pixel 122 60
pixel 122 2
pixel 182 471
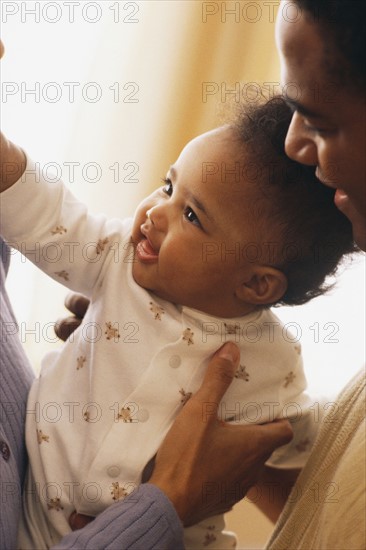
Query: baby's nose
pixel 157 215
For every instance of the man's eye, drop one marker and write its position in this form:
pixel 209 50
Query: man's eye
pixel 316 129
pixel 168 187
pixel 191 216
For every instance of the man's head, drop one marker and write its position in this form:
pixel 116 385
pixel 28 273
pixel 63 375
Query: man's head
pixel 309 233
pixel 322 52
pixel 238 225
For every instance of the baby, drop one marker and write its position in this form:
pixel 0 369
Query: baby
pixel 236 228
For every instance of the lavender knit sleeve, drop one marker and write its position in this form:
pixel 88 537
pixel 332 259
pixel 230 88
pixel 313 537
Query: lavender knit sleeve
pixel 145 520
pixel 15 380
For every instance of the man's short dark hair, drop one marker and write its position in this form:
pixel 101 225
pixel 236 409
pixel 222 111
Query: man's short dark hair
pixel 343 26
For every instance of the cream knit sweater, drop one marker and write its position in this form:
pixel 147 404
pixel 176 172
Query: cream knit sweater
pixel 327 506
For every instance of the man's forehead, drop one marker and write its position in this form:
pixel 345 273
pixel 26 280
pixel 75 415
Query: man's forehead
pixel 299 42
pixel 305 81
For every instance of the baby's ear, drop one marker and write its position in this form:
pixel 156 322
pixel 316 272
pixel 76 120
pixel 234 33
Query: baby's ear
pixel 266 286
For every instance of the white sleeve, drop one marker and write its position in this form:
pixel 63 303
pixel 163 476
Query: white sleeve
pixel 304 412
pixel 46 223
pixel 305 427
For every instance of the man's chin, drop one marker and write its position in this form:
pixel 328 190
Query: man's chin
pixel 357 219
pixel 358 229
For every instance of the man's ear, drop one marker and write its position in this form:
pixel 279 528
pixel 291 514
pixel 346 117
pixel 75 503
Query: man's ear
pixel 266 286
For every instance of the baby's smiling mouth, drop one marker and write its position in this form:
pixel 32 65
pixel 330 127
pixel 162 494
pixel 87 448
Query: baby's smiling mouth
pixel 145 251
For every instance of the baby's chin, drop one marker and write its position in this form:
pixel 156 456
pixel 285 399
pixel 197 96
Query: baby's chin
pixel 141 281
pixel 138 277
pixel 159 293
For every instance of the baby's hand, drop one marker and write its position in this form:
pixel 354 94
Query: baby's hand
pixel 12 158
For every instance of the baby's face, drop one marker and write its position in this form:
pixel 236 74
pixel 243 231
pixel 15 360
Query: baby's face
pixel 193 235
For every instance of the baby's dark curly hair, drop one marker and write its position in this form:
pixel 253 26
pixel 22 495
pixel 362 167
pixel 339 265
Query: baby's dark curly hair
pixel 313 234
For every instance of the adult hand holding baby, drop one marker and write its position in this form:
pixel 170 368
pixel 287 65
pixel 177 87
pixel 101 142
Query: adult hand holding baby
pixel 204 471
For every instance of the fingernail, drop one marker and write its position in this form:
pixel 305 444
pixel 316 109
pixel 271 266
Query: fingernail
pixel 229 351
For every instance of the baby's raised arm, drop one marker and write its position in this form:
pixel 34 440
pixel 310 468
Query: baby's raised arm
pixel 12 158
pixel 42 219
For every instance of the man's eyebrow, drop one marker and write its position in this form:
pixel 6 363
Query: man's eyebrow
pixel 173 174
pixel 295 106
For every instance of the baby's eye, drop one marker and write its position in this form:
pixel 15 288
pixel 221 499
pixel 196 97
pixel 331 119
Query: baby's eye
pixel 191 216
pixel 168 187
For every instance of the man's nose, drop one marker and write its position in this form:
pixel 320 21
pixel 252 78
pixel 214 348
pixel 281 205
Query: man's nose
pixel 299 145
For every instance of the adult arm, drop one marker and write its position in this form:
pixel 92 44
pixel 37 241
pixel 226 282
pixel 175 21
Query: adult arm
pixel 146 519
pixel 272 489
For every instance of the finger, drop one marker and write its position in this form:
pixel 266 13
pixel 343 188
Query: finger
pixel 2 49
pixel 274 434
pixel 77 304
pixel 148 470
pixel 219 374
pixel 64 327
pixel 78 521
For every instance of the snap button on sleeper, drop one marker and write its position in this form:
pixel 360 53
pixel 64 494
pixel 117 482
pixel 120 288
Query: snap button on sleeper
pixel 175 361
pixel 114 471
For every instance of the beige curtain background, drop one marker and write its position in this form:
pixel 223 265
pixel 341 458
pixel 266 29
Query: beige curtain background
pixel 164 71
pixel 183 66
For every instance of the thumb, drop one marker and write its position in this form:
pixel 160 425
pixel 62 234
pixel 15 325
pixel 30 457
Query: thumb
pixel 274 434
pixel 219 374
